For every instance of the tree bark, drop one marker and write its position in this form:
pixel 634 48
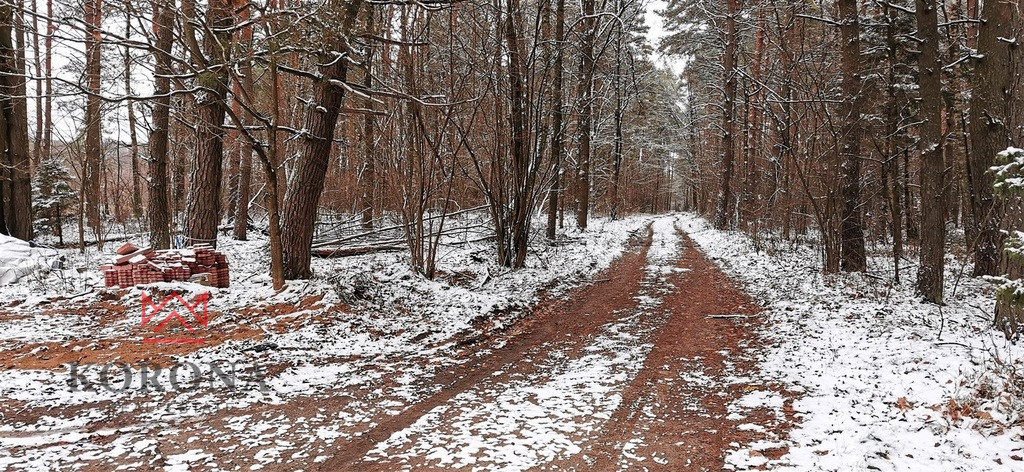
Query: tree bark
pixel 523 172
pixel 368 179
pixel 308 181
pixel 990 133
pixel 586 119
pixel 933 186
pixel 16 162
pixel 617 143
pixel 244 157
pixel 891 159
pixel 159 210
pixel 132 128
pixel 557 137
pixel 852 229
pixel 93 126
pixel 723 209
pixel 37 144
pixel 203 204
pixel 997 116
pixel 47 105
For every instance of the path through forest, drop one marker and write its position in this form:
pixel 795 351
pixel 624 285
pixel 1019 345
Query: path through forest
pixel 651 365
pixel 644 368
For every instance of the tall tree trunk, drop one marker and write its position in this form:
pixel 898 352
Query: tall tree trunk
pixel 586 119
pixel 159 209
pixel 93 131
pixel 7 66
pixel 273 193
pixel 891 159
pixel 617 120
pixel 368 179
pixel 557 137
pixel 852 229
pixel 133 136
pixel 244 182
pixel 753 205
pixel 724 207
pixel 37 147
pixel 203 205
pixel 997 122
pixel 244 157
pixel 47 105
pixel 16 160
pixel 523 172
pixel 308 180
pixel 933 185
pixel 990 115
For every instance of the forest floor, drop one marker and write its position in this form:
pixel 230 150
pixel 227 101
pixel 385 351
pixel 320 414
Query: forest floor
pixel 623 348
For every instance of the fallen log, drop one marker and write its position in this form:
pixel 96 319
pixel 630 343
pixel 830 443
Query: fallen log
pixel 354 251
pixel 319 244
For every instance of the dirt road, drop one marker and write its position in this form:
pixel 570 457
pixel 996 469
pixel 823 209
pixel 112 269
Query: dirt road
pixel 635 371
pixel 648 367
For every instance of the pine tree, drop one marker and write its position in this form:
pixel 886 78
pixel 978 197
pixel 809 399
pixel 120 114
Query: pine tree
pixel 53 197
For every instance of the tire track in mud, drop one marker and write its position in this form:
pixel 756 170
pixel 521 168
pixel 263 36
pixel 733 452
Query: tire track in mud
pixel 679 413
pixel 640 374
pixel 537 403
pixel 581 314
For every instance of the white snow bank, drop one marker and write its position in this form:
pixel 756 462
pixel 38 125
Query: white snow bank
pixel 19 258
pixel 889 382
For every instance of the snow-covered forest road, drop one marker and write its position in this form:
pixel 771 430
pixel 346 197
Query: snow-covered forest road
pixel 651 343
pixel 643 366
pixel 639 368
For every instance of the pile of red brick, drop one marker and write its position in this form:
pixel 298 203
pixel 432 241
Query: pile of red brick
pixel 134 266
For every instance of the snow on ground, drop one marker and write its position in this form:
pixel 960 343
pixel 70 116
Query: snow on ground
pixel 548 414
pixel 377 321
pixel 882 381
pixel 19 258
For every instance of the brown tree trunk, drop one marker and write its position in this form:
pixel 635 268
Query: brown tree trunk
pixel 37 144
pixel 558 128
pixel 933 185
pixel 891 159
pixel 852 229
pixel 997 117
pixel 523 173
pixel 368 179
pixel 723 209
pixel 990 117
pixel 308 181
pixel 132 131
pixel 273 193
pixel 202 208
pixel 753 205
pixel 244 184
pixel 244 157
pixel 16 162
pixel 47 105
pixel 93 131
pixel 586 119
pixel 619 111
pixel 159 210
pixel 20 158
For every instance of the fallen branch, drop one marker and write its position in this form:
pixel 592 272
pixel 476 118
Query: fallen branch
pixel 355 251
pixel 399 226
